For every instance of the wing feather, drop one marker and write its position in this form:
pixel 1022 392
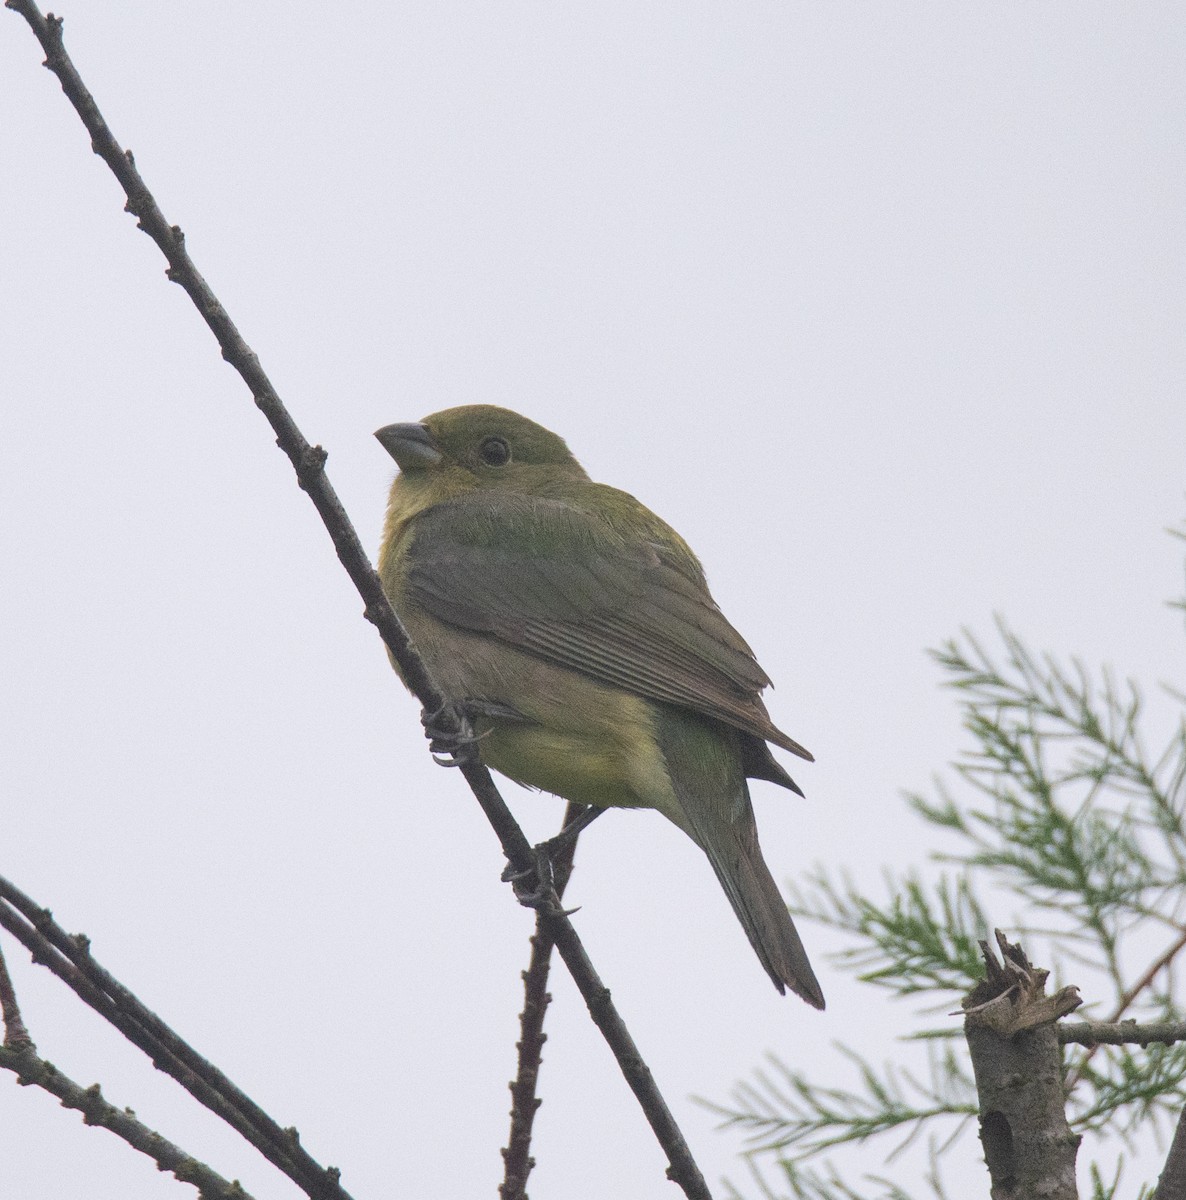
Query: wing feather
pixel 559 581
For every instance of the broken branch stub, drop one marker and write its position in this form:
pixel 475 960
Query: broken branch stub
pixel 1009 1025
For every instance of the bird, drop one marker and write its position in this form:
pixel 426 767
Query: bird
pixel 574 630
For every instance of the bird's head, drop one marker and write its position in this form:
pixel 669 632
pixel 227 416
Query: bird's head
pixel 476 446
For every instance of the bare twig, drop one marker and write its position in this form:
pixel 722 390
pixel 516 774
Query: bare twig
pixel 69 958
pixel 33 1071
pixel 16 1036
pixel 19 1055
pixel 309 464
pixel 1151 972
pixel 1120 1033
pixel 1130 995
pixel 517 1160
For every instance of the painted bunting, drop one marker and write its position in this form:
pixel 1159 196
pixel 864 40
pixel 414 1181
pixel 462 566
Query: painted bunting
pixel 576 632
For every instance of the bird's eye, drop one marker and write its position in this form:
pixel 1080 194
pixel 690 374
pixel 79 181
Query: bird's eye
pixel 494 452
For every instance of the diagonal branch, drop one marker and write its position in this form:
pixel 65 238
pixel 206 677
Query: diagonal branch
pixel 1129 996
pixel 19 1055
pixel 70 959
pixel 1150 974
pixel 31 1070
pixel 309 464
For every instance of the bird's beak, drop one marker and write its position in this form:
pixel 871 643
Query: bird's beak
pixel 411 445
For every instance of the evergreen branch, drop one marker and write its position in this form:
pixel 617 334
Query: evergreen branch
pixel 808 1184
pixel 1105 733
pixel 925 938
pixel 1041 729
pixel 1127 998
pixel 1131 1089
pixel 1159 964
pixel 784 1110
pixel 1101 1190
pixel 824 1182
pixel 1067 809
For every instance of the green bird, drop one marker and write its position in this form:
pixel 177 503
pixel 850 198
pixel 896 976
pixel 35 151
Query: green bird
pixel 576 632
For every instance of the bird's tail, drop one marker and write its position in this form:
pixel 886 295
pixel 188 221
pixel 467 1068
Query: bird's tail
pixel 706 766
pixel 732 848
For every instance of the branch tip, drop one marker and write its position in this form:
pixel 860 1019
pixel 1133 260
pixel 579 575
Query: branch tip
pixel 1012 996
pixel 30 1070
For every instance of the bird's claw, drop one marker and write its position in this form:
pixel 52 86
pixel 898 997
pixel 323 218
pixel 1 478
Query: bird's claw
pixel 535 887
pixel 460 757
pixel 451 743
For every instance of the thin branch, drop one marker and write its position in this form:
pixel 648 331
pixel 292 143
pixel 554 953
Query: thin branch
pixel 517 1159
pixel 32 1070
pixel 16 1035
pixel 1127 998
pixel 309 464
pixel 1120 1033
pixel 70 959
pixel 19 1055
pixel 1150 974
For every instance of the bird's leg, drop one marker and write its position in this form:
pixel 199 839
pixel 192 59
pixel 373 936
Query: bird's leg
pixel 568 835
pixel 543 873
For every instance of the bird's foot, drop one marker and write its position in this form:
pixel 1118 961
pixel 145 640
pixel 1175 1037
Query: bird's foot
pixel 452 741
pixel 536 886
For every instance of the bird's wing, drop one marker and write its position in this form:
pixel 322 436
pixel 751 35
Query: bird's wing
pixel 561 582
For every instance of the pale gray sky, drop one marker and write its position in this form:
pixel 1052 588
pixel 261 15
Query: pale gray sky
pixel 879 304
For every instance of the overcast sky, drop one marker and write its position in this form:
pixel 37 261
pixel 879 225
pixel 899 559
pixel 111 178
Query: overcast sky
pixel 880 305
